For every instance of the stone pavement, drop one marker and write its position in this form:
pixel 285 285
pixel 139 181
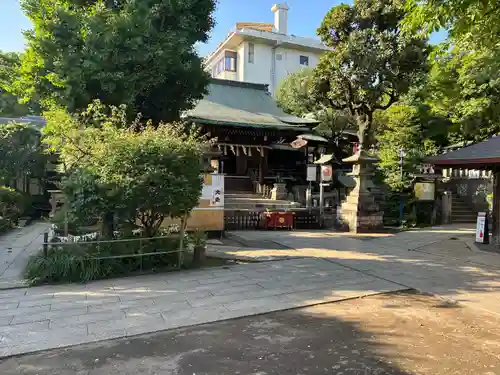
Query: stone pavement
pixel 397 334
pixel 414 258
pixel 16 247
pixel 306 268
pixel 34 319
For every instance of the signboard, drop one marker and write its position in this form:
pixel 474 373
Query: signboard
pixel 213 189
pixel 482 231
pixel 298 143
pixel 311 172
pixel 425 191
pixel 326 173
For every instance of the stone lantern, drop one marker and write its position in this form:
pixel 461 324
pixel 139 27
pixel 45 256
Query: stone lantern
pixel 359 211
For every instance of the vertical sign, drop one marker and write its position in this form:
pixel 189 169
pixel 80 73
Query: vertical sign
pixel 326 173
pixel 311 172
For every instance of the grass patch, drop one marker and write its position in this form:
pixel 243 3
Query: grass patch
pixel 77 263
pixel 81 262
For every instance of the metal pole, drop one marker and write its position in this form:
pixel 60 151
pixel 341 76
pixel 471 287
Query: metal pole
pixel 309 197
pixel 321 198
pixel 45 244
pixel 401 199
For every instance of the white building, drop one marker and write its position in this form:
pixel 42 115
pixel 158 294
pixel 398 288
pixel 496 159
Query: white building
pixel 263 53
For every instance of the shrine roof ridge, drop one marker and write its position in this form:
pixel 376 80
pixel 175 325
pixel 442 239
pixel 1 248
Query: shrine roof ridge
pixel 248 85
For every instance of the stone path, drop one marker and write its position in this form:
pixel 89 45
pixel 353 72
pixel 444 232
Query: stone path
pixel 415 259
pixel 306 268
pixel 16 247
pixel 56 316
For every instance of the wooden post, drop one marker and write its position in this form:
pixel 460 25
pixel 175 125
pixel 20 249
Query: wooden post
pixel 66 228
pixel 263 166
pixel 446 207
pixel 45 244
pixel 181 242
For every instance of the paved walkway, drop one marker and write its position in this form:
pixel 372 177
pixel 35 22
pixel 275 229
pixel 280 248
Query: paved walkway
pixel 415 259
pixel 16 247
pixel 305 268
pixel 55 316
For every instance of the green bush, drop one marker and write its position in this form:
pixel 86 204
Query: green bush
pixel 77 263
pixel 12 206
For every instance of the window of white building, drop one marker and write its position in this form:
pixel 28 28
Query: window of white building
pixel 304 60
pixel 230 61
pixel 251 53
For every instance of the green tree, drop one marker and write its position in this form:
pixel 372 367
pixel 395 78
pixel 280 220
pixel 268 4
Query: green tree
pixel 294 96
pixel 371 63
pixel 464 85
pixel 138 178
pixel 474 22
pixel 411 127
pixel 138 53
pixel 9 73
pixel 21 152
pixel 294 93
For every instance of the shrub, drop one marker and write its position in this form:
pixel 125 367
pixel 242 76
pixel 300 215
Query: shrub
pixel 12 206
pixel 77 262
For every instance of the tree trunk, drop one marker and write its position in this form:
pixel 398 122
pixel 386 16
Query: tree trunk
pixel 108 225
pixel 180 258
pixel 199 256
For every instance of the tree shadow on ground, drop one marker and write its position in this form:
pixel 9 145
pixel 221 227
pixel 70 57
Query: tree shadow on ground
pixel 423 259
pixel 354 337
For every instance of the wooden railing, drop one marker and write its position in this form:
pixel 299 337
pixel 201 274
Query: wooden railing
pixel 252 220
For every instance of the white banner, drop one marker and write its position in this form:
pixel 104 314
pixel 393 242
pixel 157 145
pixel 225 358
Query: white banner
pixel 311 172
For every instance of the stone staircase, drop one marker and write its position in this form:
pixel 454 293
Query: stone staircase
pixel 461 212
pixel 241 200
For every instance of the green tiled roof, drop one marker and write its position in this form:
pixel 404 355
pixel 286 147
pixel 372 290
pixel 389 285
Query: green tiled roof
pixel 232 103
pixel 37 121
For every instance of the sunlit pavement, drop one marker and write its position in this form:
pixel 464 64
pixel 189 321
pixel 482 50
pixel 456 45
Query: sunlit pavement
pixel 56 316
pixel 16 247
pixel 317 267
pixel 424 259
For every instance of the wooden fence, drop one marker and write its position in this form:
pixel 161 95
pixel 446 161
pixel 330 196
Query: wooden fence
pixel 252 220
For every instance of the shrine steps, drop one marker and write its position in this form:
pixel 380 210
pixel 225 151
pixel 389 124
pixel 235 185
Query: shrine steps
pixel 461 212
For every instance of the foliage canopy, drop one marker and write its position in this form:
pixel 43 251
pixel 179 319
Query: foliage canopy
pixel 21 151
pixel 139 178
pixel 371 64
pixel 137 53
pixel 295 96
pixel 10 63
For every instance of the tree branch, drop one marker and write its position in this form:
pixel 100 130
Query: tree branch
pixel 333 105
pixel 392 99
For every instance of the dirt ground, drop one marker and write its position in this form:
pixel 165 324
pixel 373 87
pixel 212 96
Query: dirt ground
pixel 400 334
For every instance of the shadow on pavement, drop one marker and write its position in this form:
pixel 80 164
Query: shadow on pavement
pixel 427 260
pixel 360 336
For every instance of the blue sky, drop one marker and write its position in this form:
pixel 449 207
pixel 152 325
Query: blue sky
pixel 303 20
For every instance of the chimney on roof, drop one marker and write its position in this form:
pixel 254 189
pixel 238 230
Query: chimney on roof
pixel 280 18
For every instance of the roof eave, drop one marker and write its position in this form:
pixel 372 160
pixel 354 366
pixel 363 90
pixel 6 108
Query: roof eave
pixel 199 120
pixel 464 162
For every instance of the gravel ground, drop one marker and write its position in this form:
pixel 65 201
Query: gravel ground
pixel 404 333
